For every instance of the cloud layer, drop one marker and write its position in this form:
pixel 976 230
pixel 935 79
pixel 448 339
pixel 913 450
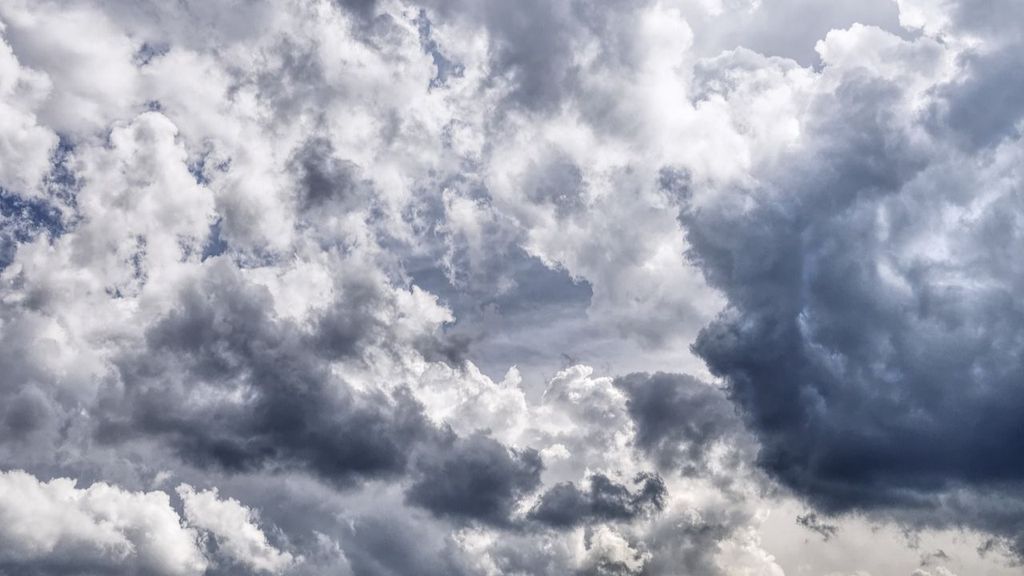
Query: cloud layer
pixel 711 287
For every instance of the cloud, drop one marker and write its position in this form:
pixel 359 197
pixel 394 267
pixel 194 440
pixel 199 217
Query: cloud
pixel 230 385
pixel 25 146
pixel 869 329
pixel 475 478
pixel 78 101
pixel 681 421
pixel 567 505
pixel 812 523
pixel 737 262
pixel 54 527
pixel 235 529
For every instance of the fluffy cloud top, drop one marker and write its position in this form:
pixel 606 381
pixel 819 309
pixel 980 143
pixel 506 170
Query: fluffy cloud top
pixel 56 526
pixel 234 528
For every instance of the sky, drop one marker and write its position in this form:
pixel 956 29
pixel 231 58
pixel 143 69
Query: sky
pixel 543 287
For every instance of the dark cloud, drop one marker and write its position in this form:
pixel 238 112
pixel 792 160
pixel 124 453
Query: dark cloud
pixel 534 43
pixel 558 182
pixel 565 505
pixel 679 419
pixel 811 522
pixel 288 411
pixel 984 105
pixel 876 375
pixel 361 8
pixel 531 45
pixel 326 181
pixel 376 546
pixel 501 156
pixel 475 478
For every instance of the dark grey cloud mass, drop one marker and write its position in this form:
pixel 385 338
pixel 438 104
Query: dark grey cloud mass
pixel 571 287
pixel 679 419
pixel 874 350
pixel 293 414
pixel 475 478
pixel 567 505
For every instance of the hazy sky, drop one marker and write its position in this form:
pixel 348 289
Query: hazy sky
pixel 511 287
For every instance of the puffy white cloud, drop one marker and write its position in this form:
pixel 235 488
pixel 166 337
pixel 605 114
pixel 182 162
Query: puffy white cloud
pixel 235 528
pixel 25 145
pixel 86 58
pixel 57 526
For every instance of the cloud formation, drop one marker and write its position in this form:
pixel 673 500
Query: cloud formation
pixel 448 287
pixel 234 529
pixel 56 527
pixel 870 333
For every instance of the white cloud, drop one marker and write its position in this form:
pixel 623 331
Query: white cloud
pixel 85 56
pixel 99 528
pixel 235 528
pixel 25 145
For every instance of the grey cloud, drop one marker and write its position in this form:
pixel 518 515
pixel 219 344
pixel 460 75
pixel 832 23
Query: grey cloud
pixel 766 25
pixel 295 412
pixel 995 19
pixel 327 184
pixel 687 544
pixel 489 320
pixel 983 106
pixel 475 478
pixel 27 411
pixel 679 419
pixel 393 546
pixel 533 43
pixel 811 522
pixel 565 505
pixel 871 346
pixel 876 376
pixel 362 8
pixel 560 183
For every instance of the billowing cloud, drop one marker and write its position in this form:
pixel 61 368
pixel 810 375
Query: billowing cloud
pixel 55 527
pixel 475 478
pixel 870 335
pixel 234 528
pixel 385 287
pixel 567 505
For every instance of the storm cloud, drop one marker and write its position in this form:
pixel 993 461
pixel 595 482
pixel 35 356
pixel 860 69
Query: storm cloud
pixel 871 335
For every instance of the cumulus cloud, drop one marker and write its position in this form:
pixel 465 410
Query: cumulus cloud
pixel 567 505
pixel 747 269
pixel 55 527
pixel 476 478
pixel 869 334
pixel 230 385
pixel 234 528
pixel 26 144
pixel 684 423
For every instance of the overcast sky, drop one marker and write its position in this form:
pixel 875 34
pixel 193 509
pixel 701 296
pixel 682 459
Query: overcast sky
pixel 511 287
